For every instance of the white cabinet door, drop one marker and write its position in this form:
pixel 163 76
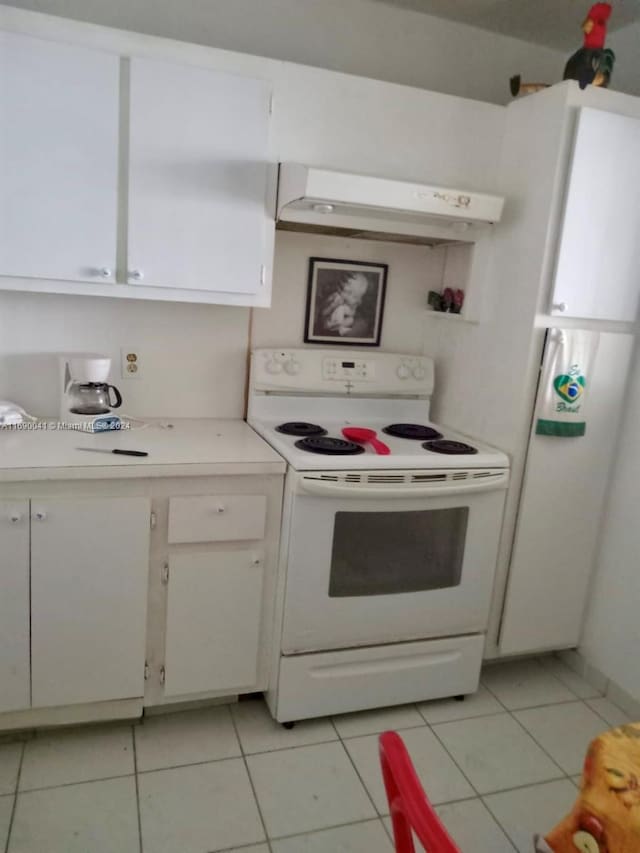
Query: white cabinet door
pixel 213 622
pixel 59 114
pixel 561 507
pixel 598 269
pixel 198 178
pixel 89 570
pixel 14 606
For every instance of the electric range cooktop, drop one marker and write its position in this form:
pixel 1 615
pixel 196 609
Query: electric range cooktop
pixel 300 400
pixel 316 444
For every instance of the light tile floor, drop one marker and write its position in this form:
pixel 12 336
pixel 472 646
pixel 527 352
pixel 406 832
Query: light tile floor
pixel 498 767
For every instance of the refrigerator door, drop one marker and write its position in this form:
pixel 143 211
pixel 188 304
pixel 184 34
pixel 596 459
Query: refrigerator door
pixel 561 505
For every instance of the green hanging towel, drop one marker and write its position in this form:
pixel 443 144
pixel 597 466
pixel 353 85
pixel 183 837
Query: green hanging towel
pixel 568 362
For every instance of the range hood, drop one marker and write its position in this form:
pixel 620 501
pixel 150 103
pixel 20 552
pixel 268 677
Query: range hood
pixel 324 201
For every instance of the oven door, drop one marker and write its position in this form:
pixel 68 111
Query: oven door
pixel 374 559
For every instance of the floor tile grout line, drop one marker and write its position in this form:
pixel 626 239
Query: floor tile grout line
pixel 360 779
pixel 491 815
pixel 413 705
pixel 513 787
pixel 503 828
pixel 573 673
pixel 537 742
pixel 491 693
pixel 467 719
pixel 598 714
pixel 188 764
pixel 135 770
pixel 14 805
pixel 282 748
pixel 585 699
pixel 552 674
pixel 377 734
pixel 443 745
pixel 561 778
pixel 545 705
pixel 26 791
pixel 249 776
pixel 375 819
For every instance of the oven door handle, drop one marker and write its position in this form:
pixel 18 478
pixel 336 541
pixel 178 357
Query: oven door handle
pixel 332 489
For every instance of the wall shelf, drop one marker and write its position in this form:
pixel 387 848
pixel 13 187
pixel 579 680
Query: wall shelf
pixel 447 315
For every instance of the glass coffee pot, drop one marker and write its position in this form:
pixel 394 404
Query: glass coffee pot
pixel 92 398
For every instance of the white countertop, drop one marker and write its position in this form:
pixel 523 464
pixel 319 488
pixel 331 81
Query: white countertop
pixel 177 447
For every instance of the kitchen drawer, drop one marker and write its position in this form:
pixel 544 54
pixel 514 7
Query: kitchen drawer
pixel 315 685
pixel 217 518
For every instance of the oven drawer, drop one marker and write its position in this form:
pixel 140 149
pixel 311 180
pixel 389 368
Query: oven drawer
pixel 316 685
pixel 217 518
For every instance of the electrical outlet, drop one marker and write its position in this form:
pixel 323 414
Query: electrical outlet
pixel 131 363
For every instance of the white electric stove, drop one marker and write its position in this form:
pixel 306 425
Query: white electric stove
pixel 387 561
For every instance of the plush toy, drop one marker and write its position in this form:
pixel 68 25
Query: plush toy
pixel 606 816
pixel 592 64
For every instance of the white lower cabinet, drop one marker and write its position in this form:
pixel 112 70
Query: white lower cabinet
pixel 89 568
pixel 214 608
pixel 14 605
pixel 117 595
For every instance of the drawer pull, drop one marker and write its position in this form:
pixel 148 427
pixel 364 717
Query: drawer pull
pixel 257 561
pixel 220 509
pixel 15 517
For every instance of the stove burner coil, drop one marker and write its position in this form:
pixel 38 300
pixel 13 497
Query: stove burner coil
pixel 450 447
pixel 300 428
pixel 416 432
pixel 329 446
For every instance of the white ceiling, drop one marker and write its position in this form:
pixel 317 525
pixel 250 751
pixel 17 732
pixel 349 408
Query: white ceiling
pixel 555 23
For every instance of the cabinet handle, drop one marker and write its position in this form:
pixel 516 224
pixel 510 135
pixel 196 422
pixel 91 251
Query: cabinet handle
pixel 257 561
pixel 105 272
pixel 40 515
pixel 15 517
pixel 136 275
pixel 562 307
pixel 221 509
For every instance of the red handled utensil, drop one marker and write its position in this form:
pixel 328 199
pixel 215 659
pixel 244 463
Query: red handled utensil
pixel 361 435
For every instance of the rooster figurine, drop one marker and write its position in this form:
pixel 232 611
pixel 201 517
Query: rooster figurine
pixel 593 63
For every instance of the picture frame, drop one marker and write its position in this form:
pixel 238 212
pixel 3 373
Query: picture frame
pixel 345 302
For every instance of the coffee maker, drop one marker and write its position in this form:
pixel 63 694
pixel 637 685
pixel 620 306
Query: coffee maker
pixel 87 399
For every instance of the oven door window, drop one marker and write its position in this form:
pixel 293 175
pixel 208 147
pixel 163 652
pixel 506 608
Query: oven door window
pixel 383 553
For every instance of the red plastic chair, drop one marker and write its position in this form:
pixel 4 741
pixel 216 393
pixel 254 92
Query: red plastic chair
pixel 411 811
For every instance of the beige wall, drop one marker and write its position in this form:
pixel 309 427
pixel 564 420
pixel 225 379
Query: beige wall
pixel 413 271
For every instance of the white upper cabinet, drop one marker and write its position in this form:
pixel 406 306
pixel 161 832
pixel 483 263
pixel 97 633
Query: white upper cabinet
pixel 59 109
pixel 198 180
pixel 598 269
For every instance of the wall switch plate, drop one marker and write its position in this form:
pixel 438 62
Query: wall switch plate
pixel 131 364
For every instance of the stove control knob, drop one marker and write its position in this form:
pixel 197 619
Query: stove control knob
pixel 292 367
pixel 403 371
pixel 419 372
pixel 274 367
